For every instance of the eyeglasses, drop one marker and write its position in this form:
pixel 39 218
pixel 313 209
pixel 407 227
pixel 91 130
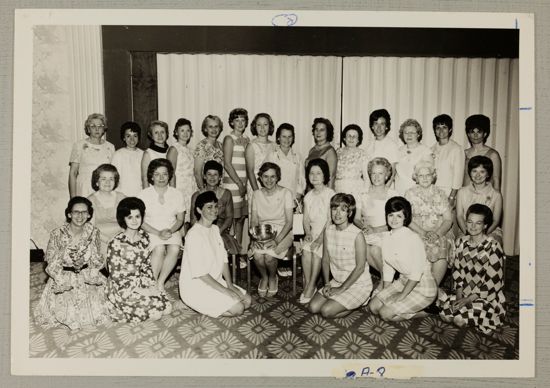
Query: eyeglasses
pixel 100 126
pixel 79 213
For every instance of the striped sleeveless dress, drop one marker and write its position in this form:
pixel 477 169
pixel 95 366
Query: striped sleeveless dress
pixel 240 207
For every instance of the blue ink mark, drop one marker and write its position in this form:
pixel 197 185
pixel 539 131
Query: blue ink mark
pixel 350 374
pixel 284 20
pixel 526 304
pixel 516 24
pixel 525 108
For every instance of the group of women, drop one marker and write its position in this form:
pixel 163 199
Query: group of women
pixel 394 208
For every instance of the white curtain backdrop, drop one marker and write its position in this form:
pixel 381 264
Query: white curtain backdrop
pixel 296 89
pixel 293 89
pixel 422 88
pixel 67 87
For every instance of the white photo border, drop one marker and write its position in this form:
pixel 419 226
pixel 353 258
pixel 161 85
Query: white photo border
pixel 22 364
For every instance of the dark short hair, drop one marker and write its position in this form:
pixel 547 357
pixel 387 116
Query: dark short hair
pixel 76 200
pixel 154 123
pixel 180 123
pixel 376 114
pixel 410 123
pixel 353 127
pixel 482 210
pixel 269 120
pixel 397 204
pixel 106 167
pixel 281 128
pixel 328 124
pixel 202 199
pixel 125 207
pixel 236 113
pixel 268 166
pixel 481 122
pixel 92 117
pixel 132 126
pixel 214 118
pixel 323 165
pixel 157 163
pixel 483 161
pixel 212 165
pixel 346 199
pixel 443 119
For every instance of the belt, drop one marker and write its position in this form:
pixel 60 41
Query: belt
pixel 75 270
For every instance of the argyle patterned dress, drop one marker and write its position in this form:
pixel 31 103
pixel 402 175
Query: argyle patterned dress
pixel 478 269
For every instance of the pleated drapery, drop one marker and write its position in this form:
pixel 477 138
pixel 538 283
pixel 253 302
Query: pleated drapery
pixel 296 89
pixel 293 89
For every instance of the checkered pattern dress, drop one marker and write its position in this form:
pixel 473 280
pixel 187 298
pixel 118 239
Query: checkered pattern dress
pixel 478 269
pixel 341 250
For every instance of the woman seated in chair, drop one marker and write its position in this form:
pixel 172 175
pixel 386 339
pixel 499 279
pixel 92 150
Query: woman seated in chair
pixel 272 205
pixel 344 256
pixel 205 282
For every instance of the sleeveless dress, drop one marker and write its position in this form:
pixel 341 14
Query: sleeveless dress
pixel 351 172
pixel 128 165
pixel 318 208
pixel 487 196
pixel 373 214
pixel 89 156
pixel 185 178
pixel 240 207
pixel 341 250
pixel 261 150
pixel 105 220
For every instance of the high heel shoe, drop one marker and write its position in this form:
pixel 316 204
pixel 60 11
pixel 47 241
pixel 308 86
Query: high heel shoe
pixel 271 293
pixel 262 292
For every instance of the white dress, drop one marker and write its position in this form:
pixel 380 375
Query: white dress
pixel 128 164
pixel 385 148
pixel 408 158
pixel 89 156
pixel 318 209
pixel 204 254
pixel 185 178
pixel 162 215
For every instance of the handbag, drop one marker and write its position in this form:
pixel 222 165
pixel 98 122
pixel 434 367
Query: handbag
pixel 298 220
pixel 37 254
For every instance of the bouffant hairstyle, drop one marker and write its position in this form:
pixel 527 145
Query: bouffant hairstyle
pixel 157 163
pixel 482 210
pixel 481 122
pixel 180 123
pixel 281 128
pixel 266 116
pixel 348 201
pixel 104 168
pixel 354 127
pixel 268 166
pixel 153 124
pixel 323 165
pixel 205 122
pixel 443 119
pixel 424 164
pixel 380 161
pixel 328 124
pixel 485 162
pixel 238 112
pixel 397 204
pixel 91 117
pixel 125 207
pixel 76 200
pixel 133 127
pixel 203 199
pixel 212 165
pixel 410 123
pixel 376 114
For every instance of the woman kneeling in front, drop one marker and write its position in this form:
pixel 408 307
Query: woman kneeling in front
pixel 345 257
pixel 204 266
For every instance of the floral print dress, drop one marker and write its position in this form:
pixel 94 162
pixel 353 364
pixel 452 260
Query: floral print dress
pixel 130 270
pixel 74 295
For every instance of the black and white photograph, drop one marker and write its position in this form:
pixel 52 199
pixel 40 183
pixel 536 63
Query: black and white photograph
pixel 223 189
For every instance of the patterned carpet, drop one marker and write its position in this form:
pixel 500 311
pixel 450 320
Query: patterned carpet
pixel 278 328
